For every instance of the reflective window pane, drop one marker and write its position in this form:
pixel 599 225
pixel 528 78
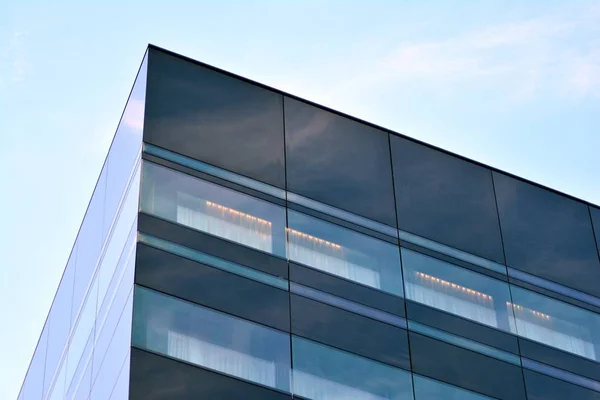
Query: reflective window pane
pixel 83 330
pixel 34 381
pixel 126 146
pixel 595 212
pixel 556 324
pixel 447 199
pixel 430 389
pixel 213 209
pixel 547 235
pixel 89 244
pixel 59 320
pixel 323 372
pixel 456 290
pixel 213 117
pixel 344 252
pixel 338 161
pixel 211 339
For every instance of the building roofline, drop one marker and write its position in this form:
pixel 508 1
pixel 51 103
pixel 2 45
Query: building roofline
pixel 370 124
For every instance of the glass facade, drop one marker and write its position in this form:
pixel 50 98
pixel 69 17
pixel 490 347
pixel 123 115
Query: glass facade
pixel 266 248
pixel 87 330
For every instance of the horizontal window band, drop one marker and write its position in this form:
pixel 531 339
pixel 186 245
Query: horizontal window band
pixel 212 170
pixel 347 305
pixel 464 343
pixel 206 368
pixel 554 287
pixel 213 261
pixel 268 189
pixel 561 374
pixel 341 214
pixel 452 252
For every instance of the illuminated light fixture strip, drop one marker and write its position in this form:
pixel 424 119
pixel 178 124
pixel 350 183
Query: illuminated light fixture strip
pixel 313 238
pixel 453 285
pixel 521 308
pixel 237 213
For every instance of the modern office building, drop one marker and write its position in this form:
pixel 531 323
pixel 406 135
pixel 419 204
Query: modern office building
pixel 242 243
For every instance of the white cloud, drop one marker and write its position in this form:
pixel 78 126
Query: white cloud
pixel 539 56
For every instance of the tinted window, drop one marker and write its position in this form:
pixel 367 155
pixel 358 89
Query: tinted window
pixel 159 378
pixel 456 290
pixel 444 198
pixel 547 234
pixel 596 222
pixel 556 324
pixel 213 117
pixel 211 339
pixel 212 287
pixel 214 209
pixel 464 368
pixel 323 372
pixel 430 389
pixel 344 252
pixel 338 161
pixel 543 387
pixel 349 331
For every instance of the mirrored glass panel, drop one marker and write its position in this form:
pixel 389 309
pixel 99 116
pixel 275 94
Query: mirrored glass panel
pixel 556 324
pixel 456 290
pixel 59 322
pixel 595 212
pixel 430 389
pixel 338 161
pixel 344 252
pixel 214 117
pixel 547 234
pixel 323 372
pixel 211 339
pixel 213 209
pixel 445 198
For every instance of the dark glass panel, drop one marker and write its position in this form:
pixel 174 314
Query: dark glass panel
pixel 543 387
pixel 465 368
pixel 559 359
pixel 445 198
pixel 338 161
pixel 213 117
pixel 595 212
pixel 547 234
pixel 438 284
pixel 211 339
pixel 461 327
pixel 213 209
pixel 346 289
pixel 344 252
pixel 159 378
pixel 323 372
pixel 212 245
pixel 348 331
pixel 212 287
pixel 430 389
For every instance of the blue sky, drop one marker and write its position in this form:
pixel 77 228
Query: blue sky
pixel 513 84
